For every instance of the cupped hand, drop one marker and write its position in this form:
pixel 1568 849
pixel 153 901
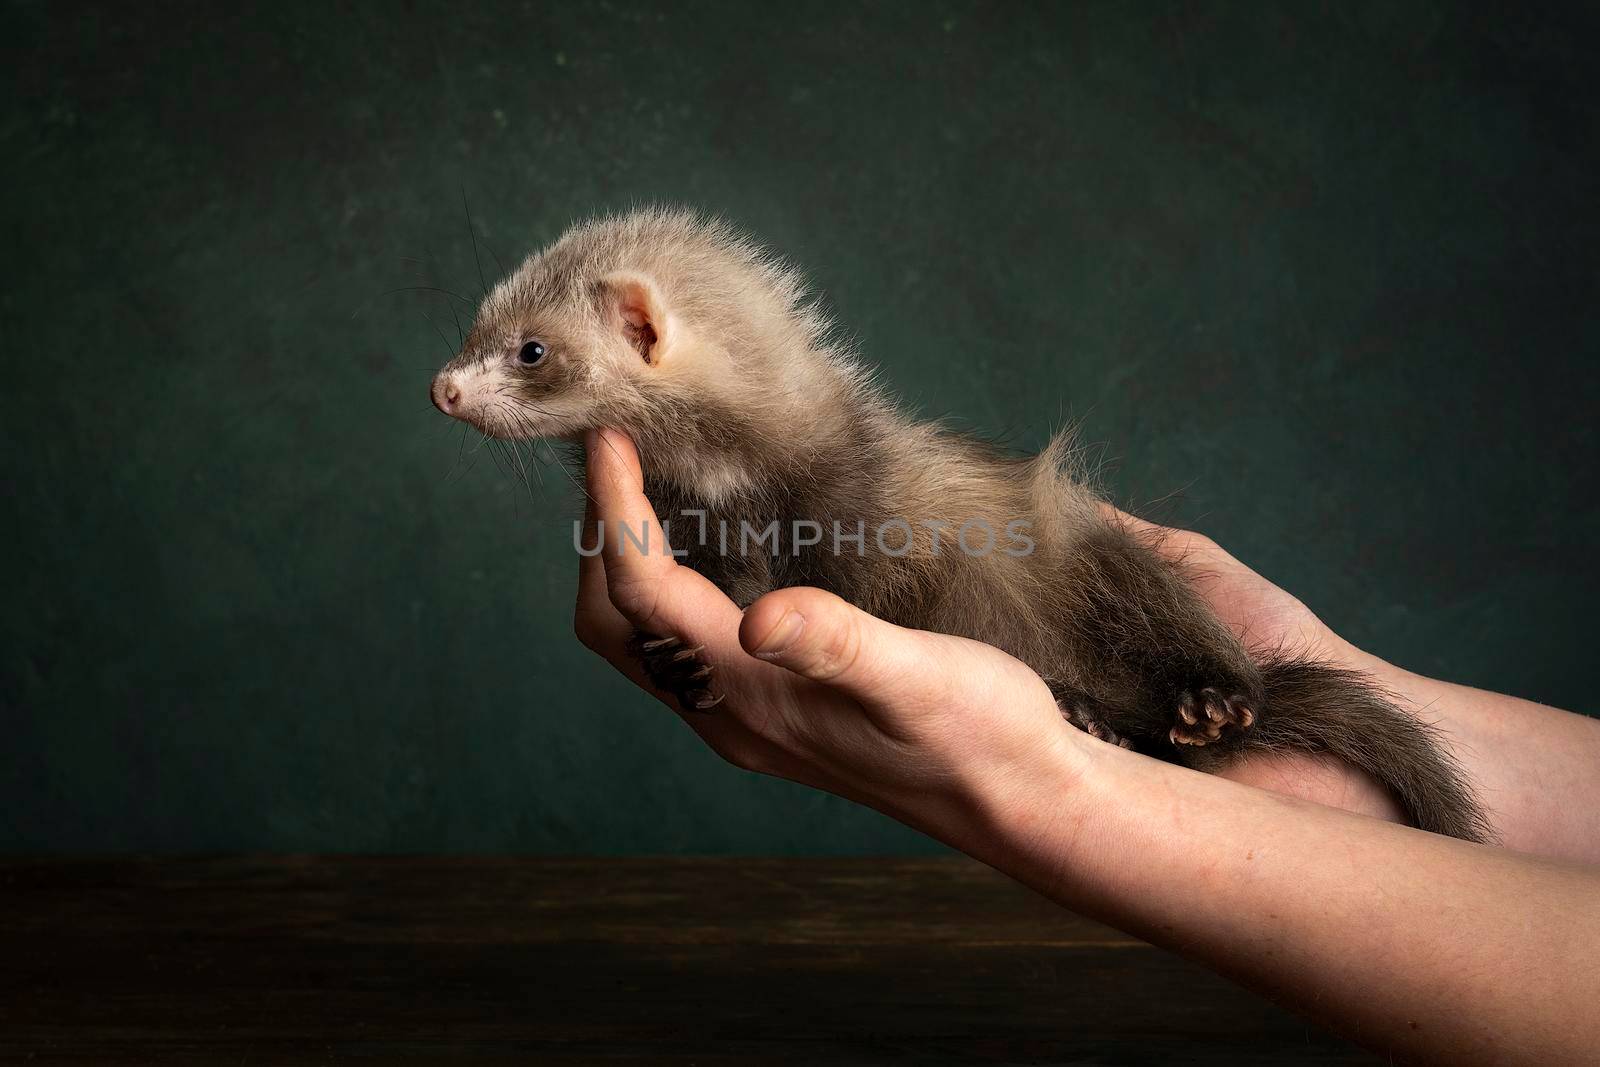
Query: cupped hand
pixel 932 729
pixel 923 726
pixel 1269 619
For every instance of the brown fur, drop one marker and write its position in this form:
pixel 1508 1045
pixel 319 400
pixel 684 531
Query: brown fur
pixel 743 405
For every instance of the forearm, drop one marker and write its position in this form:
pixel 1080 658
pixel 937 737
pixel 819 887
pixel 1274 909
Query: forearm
pixel 1406 941
pixel 1535 768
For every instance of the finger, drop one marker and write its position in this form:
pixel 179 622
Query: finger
pixel 648 590
pixel 606 629
pixel 1178 546
pixel 819 636
pixel 599 625
pixel 643 579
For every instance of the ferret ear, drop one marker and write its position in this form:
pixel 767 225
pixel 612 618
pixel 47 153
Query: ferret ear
pixel 640 315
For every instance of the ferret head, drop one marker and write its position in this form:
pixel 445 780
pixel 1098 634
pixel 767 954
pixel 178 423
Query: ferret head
pixel 631 322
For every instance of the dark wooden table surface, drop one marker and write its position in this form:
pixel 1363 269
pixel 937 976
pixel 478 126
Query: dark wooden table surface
pixel 304 960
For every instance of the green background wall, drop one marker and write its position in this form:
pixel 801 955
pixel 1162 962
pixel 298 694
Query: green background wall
pixel 1328 275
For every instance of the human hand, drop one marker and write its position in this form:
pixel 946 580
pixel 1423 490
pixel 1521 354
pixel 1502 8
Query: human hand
pixel 1263 616
pixel 926 727
pixel 1340 917
pixel 902 720
pixel 1266 618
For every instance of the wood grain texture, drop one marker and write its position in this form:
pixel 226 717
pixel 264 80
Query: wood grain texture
pixel 293 960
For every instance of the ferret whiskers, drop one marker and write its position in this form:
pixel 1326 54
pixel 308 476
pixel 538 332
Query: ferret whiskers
pixel 473 233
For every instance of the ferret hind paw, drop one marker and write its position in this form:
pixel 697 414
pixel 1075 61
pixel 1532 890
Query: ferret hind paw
pixel 1207 716
pixel 675 668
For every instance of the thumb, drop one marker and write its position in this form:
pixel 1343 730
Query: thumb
pixel 819 636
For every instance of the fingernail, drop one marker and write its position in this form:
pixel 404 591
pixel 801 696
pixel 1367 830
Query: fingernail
pixel 781 636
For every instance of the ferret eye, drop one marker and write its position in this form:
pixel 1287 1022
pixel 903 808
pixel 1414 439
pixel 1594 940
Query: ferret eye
pixel 531 353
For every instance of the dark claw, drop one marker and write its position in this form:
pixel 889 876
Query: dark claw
pixel 1077 714
pixel 676 670
pixel 1186 708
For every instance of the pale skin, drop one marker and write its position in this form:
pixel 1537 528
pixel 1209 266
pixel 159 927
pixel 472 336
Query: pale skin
pixel 1290 875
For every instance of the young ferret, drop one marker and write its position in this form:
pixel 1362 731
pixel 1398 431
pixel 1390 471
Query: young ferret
pixel 746 409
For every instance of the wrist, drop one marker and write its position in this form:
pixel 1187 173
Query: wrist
pixel 1037 805
pixel 1397 680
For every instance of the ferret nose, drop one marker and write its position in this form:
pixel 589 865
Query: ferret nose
pixel 446 393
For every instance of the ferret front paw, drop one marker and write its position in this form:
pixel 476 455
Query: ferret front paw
pixel 1077 712
pixel 1207 716
pixel 675 668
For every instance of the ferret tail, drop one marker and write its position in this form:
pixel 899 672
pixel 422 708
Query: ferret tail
pixel 1314 707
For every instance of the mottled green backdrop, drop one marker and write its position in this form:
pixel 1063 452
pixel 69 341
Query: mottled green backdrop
pixel 1329 276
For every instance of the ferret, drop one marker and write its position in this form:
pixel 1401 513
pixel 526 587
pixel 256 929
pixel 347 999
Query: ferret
pixel 747 408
